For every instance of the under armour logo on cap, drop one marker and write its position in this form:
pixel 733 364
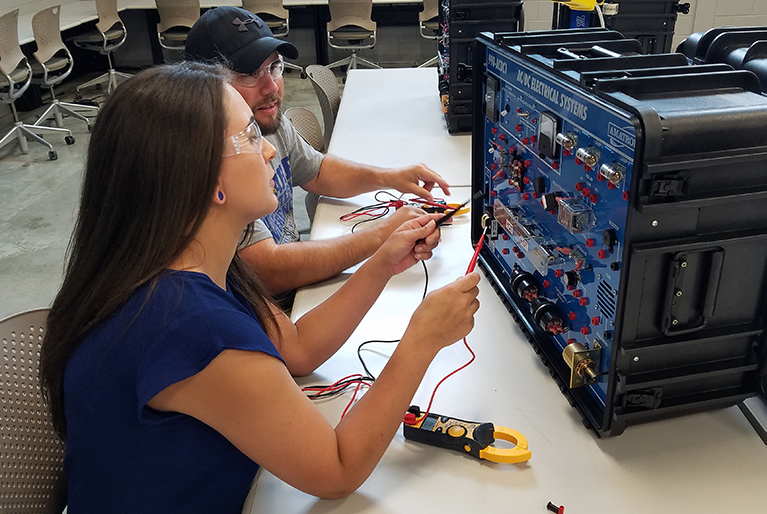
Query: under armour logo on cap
pixel 241 25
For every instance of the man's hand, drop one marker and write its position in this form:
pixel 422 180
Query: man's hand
pixel 418 180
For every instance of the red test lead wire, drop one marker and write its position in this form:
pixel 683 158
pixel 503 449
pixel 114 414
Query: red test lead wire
pixel 473 262
pixel 410 419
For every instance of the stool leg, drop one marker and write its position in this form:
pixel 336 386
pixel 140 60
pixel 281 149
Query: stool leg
pixel 67 108
pixel 431 61
pixel 15 134
pixel 46 114
pixel 46 130
pixel 342 62
pixel 31 135
pixel 367 63
pixel 98 80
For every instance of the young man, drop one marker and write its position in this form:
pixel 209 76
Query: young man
pixel 246 45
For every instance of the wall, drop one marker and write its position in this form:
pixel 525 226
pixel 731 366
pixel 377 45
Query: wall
pixel 704 14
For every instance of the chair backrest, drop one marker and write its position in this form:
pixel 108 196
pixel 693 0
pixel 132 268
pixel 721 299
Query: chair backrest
pixel 307 125
pixel 273 7
pixel 177 13
pixel 430 10
pixel 351 12
pixel 46 29
pixel 10 50
pixel 32 454
pixel 326 86
pixel 107 11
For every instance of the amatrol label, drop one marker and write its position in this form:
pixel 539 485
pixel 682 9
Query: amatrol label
pixel 620 136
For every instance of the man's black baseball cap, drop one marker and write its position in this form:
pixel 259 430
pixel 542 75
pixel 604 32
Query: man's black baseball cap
pixel 235 37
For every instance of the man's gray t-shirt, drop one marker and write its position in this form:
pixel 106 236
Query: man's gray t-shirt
pixel 295 164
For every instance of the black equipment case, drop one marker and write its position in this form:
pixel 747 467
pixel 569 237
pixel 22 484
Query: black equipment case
pixel 460 22
pixel 743 48
pixel 651 22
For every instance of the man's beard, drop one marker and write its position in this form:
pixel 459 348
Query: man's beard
pixel 270 128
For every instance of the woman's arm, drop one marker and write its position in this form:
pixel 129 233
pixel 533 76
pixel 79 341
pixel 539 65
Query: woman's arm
pixel 251 399
pixel 313 339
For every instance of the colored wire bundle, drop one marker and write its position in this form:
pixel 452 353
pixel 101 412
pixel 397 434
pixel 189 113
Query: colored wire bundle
pixel 382 207
pixel 319 392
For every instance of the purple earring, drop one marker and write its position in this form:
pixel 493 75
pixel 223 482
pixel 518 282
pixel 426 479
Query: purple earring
pixel 221 196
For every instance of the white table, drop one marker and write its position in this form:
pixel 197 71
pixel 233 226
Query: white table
pixel 393 118
pixel 73 14
pixel 78 12
pixel 704 463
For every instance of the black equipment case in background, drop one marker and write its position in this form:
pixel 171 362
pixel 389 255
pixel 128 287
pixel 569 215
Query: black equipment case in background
pixel 460 22
pixel 651 22
pixel 743 48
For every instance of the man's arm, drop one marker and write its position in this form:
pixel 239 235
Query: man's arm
pixel 340 178
pixel 291 265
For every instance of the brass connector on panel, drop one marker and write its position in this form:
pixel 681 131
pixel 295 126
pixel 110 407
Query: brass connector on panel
pixel 583 363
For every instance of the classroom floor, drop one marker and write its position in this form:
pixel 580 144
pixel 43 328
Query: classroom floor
pixel 39 201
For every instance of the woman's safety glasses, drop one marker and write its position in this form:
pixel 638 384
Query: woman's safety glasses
pixel 247 141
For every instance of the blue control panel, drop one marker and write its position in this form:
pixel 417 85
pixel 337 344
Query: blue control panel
pixel 557 169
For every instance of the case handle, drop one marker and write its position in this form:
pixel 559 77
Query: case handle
pixel 677 271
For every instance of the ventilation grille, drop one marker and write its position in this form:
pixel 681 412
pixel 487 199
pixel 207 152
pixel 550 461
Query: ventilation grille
pixel 606 299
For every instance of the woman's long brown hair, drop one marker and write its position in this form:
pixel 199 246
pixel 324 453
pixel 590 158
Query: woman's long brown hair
pixel 153 164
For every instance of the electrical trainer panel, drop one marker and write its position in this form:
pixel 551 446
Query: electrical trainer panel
pixel 623 199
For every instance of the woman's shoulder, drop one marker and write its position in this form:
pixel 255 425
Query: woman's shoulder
pixel 175 301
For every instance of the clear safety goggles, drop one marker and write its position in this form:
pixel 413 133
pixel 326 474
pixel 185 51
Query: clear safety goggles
pixel 274 69
pixel 247 141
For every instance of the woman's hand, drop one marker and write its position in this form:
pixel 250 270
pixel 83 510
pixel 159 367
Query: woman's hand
pixel 413 241
pixel 445 315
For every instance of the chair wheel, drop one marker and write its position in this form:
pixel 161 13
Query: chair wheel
pixel 304 75
pixel 343 80
pixel 52 155
pixel 70 140
pixel 90 127
pixel 78 96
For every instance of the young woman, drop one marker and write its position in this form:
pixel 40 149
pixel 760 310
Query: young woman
pixel 166 367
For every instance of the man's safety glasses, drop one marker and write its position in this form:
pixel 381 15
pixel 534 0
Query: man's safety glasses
pixel 274 69
pixel 247 141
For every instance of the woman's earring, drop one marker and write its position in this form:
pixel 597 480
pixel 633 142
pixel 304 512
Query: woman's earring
pixel 220 196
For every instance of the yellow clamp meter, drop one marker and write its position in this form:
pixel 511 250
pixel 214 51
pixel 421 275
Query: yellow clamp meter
pixel 465 436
